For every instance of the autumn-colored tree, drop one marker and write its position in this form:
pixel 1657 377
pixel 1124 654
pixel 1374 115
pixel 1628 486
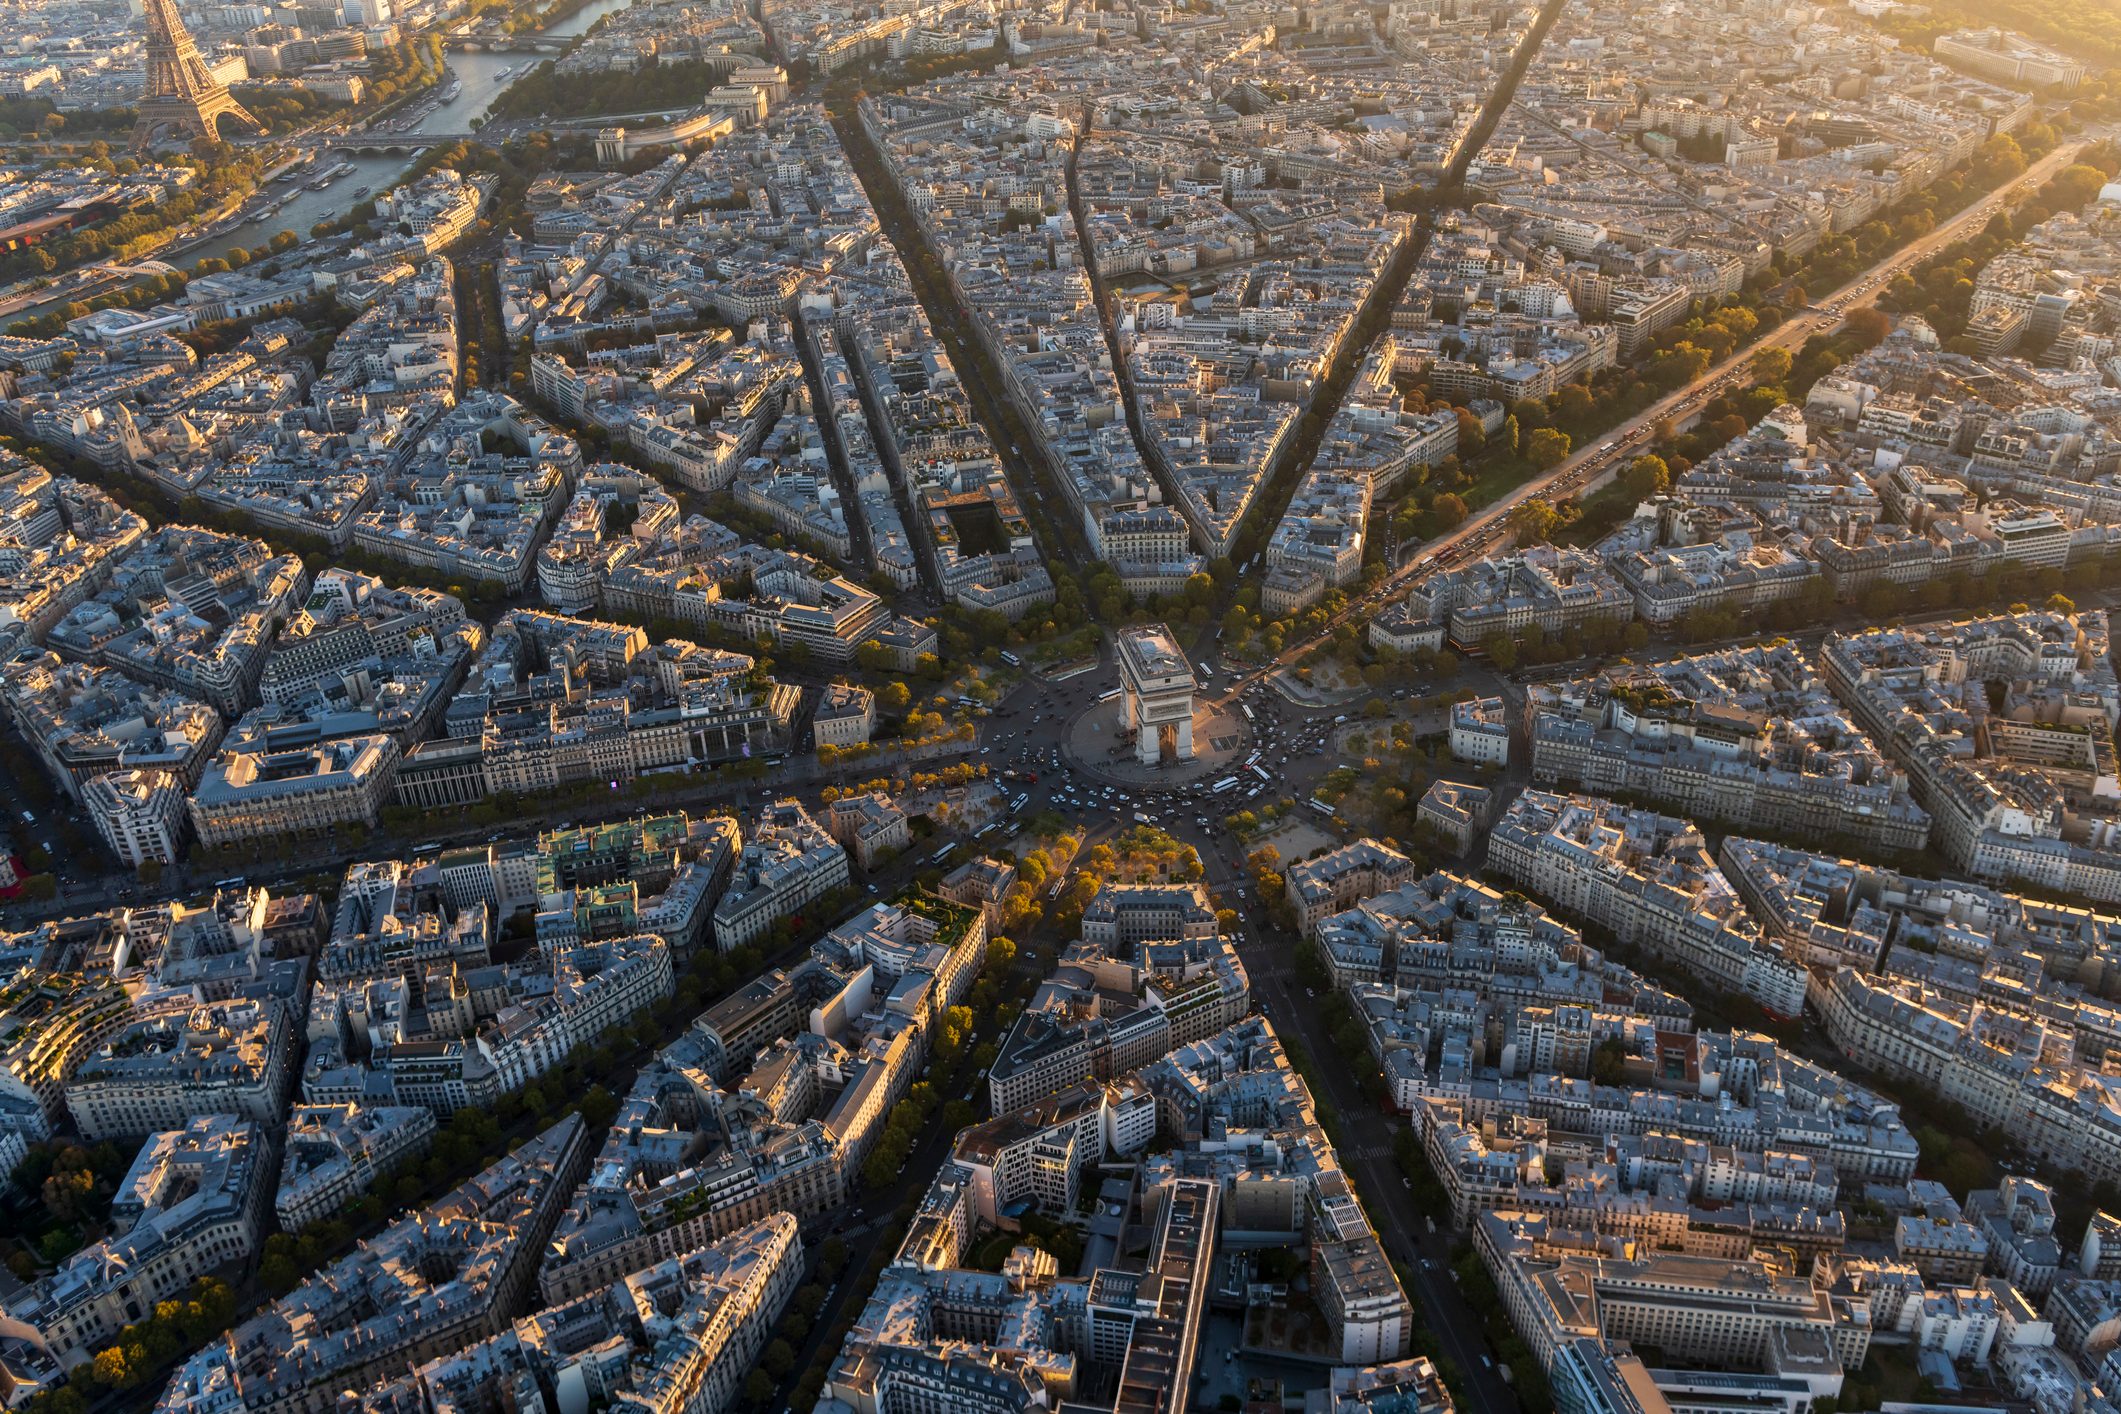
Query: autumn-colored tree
pixel 1531 521
pixel 1547 448
pixel 1646 476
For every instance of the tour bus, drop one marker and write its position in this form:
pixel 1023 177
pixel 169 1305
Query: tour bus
pixel 985 830
pixel 1322 808
pixel 944 853
pixel 1227 783
pixel 1011 659
pixel 1261 772
pixel 1246 707
pixel 1108 695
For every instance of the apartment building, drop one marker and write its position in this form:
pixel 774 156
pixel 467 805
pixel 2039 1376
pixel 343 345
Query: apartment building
pixel 1457 812
pixel 1123 916
pixel 85 721
pixel 1271 1177
pixel 1556 589
pixel 1480 731
pixel 1108 1009
pixel 253 795
pixel 870 826
pixel 294 1353
pixel 140 815
pixel 773 1099
pixel 334 1154
pixel 1341 878
pixel 1730 1315
pixel 175 1059
pixel 1750 736
pixel 683 1334
pixel 473 1032
pixel 844 716
pixel 787 862
pixel 1650 879
pixel 49 1023
pixel 2004 787
pixel 192 1203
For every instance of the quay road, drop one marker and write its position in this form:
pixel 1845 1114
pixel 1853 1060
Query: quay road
pixel 1593 466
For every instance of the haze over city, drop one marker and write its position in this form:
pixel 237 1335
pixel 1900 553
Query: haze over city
pixel 1031 707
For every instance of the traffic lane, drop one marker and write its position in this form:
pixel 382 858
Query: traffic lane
pixel 862 1234
pixel 1483 525
pixel 1368 1130
pixel 1270 975
pixel 1269 971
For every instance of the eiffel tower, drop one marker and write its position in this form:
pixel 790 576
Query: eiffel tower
pixel 180 93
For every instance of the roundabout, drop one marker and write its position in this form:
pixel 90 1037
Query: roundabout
pixel 1155 732
pixel 1099 744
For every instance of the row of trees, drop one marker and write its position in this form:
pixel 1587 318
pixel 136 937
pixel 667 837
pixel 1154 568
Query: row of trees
pixel 40 117
pixel 1940 290
pixel 1526 446
pixel 144 1349
pixel 221 173
pixel 283 108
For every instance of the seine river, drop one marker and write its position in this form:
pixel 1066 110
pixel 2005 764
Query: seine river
pixel 483 81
